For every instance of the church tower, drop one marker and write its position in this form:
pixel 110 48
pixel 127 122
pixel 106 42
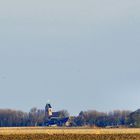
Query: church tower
pixel 48 111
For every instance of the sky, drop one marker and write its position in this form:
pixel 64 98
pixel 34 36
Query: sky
pixel 79 54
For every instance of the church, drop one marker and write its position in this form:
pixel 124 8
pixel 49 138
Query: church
pixel 54 118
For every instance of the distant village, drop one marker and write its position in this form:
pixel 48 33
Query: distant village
pixel 48 118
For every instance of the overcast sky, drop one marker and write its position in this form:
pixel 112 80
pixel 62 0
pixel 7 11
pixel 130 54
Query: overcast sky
pixel 79 54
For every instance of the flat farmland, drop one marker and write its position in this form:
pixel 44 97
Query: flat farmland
pixel 44 133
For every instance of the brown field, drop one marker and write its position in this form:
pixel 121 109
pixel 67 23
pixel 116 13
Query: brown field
pixel 42 133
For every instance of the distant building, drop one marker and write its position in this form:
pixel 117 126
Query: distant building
pixel 54 118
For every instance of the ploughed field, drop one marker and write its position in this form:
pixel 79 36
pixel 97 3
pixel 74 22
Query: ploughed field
pixel 43 133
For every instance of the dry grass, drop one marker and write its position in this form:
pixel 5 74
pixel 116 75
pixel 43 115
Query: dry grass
pixel 37 133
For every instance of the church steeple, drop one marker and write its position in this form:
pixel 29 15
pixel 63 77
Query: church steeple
pixel 48 110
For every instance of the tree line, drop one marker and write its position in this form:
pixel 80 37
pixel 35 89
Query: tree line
pixel 101 119
pixel 36 117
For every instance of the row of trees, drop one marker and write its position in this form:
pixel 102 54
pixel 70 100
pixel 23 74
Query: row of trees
pixel 18 118
pixel 13 118
pixel 101 119
pixel 36 117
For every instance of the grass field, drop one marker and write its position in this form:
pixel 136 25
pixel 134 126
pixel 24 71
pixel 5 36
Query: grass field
pixel 37 133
